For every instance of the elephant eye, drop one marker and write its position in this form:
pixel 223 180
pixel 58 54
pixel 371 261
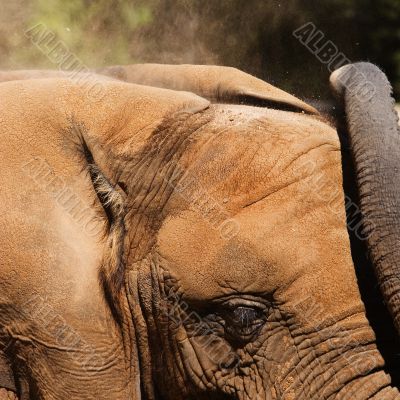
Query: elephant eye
pixel 243 322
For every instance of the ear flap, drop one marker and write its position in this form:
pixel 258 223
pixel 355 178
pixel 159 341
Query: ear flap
pixel 117 128
pixel 25 74
pixel 131 139
pixel 217 84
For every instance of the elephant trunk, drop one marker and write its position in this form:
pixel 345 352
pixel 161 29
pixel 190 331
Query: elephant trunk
pixel 372 124
pixel 348 366
pixel 366 388
pixel 387 394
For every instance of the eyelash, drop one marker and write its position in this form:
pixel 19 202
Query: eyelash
pixel 242 322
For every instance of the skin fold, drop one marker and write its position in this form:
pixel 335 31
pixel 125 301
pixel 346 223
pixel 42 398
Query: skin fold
pixel 157 246
pixel 215 83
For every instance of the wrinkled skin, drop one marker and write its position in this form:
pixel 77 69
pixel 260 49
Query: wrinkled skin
pixel 270 216
pixel 217 264
pixel 7 395
pixel 375 136
pixel 370 127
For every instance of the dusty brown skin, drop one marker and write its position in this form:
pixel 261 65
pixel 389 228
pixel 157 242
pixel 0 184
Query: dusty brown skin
pixel 215 83
pixel 7 395
pixel 25 74
pixel 151 297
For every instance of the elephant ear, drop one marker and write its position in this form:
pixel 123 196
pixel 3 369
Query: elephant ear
pixel 216 83
pixel 140 133
pixel 25 74
pixel 372 126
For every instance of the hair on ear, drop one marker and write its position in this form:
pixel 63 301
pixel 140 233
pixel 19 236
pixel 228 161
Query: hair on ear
pixel 112 201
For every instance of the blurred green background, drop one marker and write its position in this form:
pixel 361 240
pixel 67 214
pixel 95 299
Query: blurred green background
pixel 254 35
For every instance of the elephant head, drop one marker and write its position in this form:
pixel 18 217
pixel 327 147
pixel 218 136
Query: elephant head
pixel 206 253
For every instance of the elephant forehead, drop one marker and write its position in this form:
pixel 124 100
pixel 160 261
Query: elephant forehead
pixel 254 215
pixel 247 153
pixel 261 249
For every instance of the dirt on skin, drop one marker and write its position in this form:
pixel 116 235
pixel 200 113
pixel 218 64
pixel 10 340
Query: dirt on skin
pixel 6 395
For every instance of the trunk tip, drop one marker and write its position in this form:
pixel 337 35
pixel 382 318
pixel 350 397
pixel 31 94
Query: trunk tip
pixel 342 79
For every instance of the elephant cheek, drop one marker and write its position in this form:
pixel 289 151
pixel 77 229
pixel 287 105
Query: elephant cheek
pixel 203 357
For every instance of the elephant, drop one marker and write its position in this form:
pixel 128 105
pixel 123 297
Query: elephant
pixel 215 83
pixel 375 148
pixel 362 76
pixel 159 244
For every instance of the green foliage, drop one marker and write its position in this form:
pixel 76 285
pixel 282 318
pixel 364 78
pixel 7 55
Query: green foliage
pixel 97 32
